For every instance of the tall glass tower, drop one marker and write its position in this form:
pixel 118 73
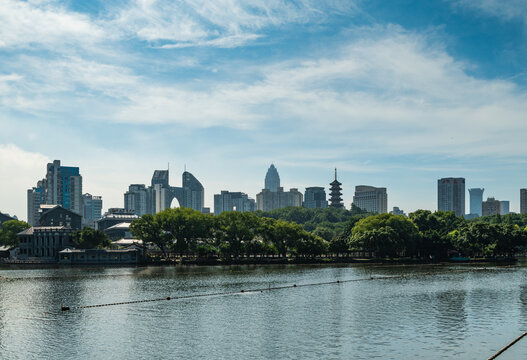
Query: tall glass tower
pixel 476 199
pixel 272 179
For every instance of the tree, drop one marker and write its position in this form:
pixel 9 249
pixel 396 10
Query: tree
pixel 183 227
pixel 233 230
pixel 89 238
pixel 386 235
pixel 148 229
pixel 9 231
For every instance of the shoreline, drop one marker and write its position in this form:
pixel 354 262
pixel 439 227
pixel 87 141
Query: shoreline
pixel 263 262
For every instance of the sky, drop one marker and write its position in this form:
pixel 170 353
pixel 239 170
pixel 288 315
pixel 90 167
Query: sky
pixel 394 94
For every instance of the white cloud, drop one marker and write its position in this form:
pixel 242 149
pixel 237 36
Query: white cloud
pixel 26 24
pixel 20 171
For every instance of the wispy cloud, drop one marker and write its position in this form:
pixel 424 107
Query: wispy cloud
pixel 29 24
pixel 505 9
pixel 221 23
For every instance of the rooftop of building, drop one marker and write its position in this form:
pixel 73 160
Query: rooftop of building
pixel 120 226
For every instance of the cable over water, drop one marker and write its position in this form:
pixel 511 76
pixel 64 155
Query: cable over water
pixel 270 288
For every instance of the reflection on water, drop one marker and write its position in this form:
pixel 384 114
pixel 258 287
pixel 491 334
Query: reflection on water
pixel 464 315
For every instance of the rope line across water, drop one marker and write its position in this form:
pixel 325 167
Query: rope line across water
pixel 257 290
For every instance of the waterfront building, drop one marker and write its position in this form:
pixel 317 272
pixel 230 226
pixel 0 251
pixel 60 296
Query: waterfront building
pixel 451 195
pixel 476 200
pixel 523 201
pixel 315 198
pixel 132 255
pixel 233 201
pixel 370 198
pixel 56 215
pixel 44 242
pixel 92 209
pixel 335 193
pixel 113 217
pixel 491 207
pixel 61 186
pixel 159 196
pixel 505 207
pixel 268 200
pixel 272 179
pixel 397 211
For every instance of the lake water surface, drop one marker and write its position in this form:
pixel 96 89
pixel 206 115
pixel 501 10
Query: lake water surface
pixel 458 315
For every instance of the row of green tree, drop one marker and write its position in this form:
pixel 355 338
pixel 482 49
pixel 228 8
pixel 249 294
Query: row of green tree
pixel 229 235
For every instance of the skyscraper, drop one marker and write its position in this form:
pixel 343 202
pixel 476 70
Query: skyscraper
pixel 371 199
pixel 61 186
pixel 451 195
pixel 523 201
pixel 194 192
pixel 233 201
pixel 315 197
pixel 505 207
pixel 159 196
pixel 92 209
pixel 268 200
pixel 335 193
pixel 272 179
pixel 491 207
pixel 136 199
pixel 476 199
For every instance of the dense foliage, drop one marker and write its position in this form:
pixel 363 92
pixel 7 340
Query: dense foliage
pixel 301 232
pixel 9 230
pixel 229 235
pixel 89 238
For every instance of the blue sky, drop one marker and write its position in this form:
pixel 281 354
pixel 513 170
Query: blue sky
pixel 392 93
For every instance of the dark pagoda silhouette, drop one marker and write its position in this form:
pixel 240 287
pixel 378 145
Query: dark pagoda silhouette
pixel 335 193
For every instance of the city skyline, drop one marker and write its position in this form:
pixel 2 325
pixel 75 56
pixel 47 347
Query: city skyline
pixel 163 177
pixel 391 98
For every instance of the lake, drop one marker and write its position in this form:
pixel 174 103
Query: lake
pixel 446 314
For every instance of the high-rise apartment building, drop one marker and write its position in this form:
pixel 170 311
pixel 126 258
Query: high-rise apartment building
pixel 136 199
pixel 476 200
pixel 233 201
pixel 491 207
pixel 451 195
pixel 505 207
pixel 61 186
pixel 315 198
pixel 268 200
pixel 370 198
pixel 92 209
pixel 272 179
pixel 523 201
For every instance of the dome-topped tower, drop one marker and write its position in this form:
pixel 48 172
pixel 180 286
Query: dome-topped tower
pixel 272 179
pixel 335 193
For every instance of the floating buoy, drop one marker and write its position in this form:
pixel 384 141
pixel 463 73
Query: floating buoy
pixel 242 291
pixel 64 308
pixel 294 285
pixel 168 297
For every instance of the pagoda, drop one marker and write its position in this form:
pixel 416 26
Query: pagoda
pixel 335 193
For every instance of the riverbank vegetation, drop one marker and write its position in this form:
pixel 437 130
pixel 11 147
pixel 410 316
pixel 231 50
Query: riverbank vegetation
pixel 309 233
pixel 8 231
